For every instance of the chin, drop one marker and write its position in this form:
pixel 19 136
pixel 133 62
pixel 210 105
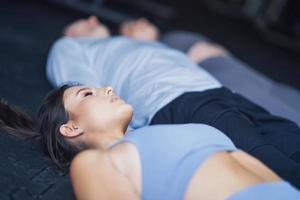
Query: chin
pixel 125 113
pixel 128 112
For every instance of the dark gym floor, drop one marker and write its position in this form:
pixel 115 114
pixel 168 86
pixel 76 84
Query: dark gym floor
pixel 28 28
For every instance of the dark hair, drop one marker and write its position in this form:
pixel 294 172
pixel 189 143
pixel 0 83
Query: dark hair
pixel 16 121
pixel 51 115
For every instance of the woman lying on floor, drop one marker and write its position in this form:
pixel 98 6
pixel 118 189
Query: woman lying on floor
pixel 84 128
pixel 165 86
pixel 80 117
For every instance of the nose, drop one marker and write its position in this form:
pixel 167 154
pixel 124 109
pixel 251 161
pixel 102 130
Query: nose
pixel 109 90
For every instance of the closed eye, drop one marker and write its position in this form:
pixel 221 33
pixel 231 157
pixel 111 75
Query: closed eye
pixel 87 94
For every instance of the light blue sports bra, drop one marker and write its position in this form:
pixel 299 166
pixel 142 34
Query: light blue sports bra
pixel 170 155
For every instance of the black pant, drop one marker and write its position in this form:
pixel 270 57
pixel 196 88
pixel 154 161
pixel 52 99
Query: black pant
pixel 273 140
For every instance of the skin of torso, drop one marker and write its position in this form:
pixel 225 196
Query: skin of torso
pixel 225 172
pixel 115 173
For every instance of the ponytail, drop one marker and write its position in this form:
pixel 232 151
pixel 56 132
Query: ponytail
pixel 50 116
pixel 15 121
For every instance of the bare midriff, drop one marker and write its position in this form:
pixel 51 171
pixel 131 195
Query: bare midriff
pixel 225 173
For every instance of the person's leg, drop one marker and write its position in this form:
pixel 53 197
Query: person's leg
pixel 279 99
pixel 240 78
pixel 197 47
pixel 287 168
pixel 182 40
pixel 220 108
pixel 271 139
pixel 235 124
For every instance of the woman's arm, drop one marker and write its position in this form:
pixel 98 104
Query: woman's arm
pixel 95 176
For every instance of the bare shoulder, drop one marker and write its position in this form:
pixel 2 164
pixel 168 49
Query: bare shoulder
pixel 88 163
pixel 126 157
pixel 94 175
pixel 87 157
pixel 119 156
pixel 123 148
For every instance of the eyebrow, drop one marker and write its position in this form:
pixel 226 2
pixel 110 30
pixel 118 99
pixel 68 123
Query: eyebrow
pixel 78 91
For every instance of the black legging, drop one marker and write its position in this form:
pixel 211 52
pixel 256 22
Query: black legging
pixel 273 140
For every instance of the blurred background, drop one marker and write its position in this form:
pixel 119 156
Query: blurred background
pixel 263 33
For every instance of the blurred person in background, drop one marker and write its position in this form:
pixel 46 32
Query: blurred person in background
pixel 166 86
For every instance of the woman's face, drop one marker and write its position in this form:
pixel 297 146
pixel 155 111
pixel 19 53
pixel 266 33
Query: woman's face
pixel 97 109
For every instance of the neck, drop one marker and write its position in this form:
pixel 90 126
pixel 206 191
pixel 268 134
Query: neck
pixel 104 140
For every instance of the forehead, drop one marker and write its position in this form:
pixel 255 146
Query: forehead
pixel 71 91
pixel 69 96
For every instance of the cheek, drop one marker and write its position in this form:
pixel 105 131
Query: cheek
pixel 95 114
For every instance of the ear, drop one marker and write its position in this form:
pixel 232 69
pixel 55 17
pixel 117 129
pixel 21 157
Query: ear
pixel 70 130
